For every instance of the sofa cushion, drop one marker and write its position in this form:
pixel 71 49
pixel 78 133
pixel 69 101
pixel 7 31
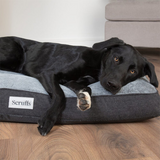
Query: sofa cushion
pixel 133 10
pixel 139 34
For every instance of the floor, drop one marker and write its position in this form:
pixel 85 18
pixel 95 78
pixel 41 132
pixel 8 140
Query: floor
pixel 124 141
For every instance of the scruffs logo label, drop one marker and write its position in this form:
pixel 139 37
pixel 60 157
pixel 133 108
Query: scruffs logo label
pixel 21 102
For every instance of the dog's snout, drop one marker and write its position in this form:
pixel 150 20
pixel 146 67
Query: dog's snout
pixel 113 85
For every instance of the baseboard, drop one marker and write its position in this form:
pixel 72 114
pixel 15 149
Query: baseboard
pixel 79 42
pixel 70 41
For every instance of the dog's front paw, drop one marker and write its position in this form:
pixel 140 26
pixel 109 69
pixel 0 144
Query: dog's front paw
pixel 45 125
pixel 83 101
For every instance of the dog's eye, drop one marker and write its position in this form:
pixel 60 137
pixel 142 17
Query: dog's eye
pixel 116 59
pixel 132 71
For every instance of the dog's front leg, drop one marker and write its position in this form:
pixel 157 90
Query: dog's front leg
pixel 83 94
pixel 51 85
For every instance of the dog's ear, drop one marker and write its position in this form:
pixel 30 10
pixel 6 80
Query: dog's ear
pixel 108 44
pixel 150 71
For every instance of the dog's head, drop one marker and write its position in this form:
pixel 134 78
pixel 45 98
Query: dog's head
pixel 121 63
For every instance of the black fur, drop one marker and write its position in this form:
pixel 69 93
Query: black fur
pixel 112 62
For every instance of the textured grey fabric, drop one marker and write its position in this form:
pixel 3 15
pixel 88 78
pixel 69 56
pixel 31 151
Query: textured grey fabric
pixel 16 81
pixel 139 86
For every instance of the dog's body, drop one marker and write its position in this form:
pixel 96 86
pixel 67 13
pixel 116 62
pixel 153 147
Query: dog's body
pixel 112 62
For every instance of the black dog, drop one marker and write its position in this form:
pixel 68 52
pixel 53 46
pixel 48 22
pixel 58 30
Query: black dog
pixel 111 62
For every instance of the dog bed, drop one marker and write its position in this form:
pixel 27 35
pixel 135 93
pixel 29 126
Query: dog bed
pixel 23 99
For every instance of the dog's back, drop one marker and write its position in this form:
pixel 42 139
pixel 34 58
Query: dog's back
pixel 20 55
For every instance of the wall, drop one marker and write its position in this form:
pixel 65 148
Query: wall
pixel 78 22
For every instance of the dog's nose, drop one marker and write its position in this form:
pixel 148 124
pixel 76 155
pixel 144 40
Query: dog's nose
pixel 113 85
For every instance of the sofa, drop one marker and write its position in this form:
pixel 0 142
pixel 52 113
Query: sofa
pixel 136 22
